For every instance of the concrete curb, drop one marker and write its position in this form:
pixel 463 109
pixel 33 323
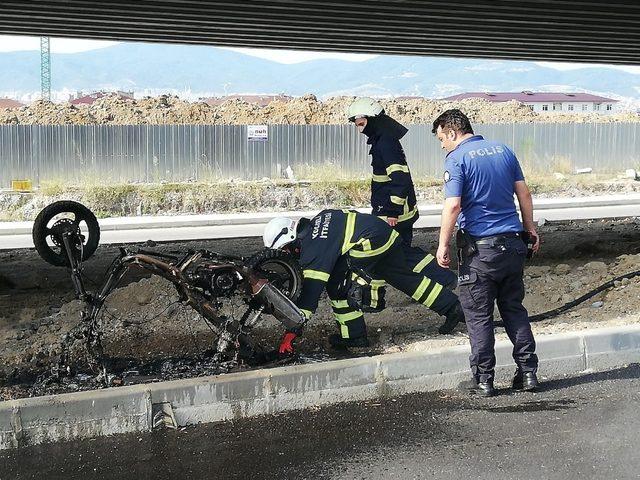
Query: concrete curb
pixel 210 399
pixel 261 218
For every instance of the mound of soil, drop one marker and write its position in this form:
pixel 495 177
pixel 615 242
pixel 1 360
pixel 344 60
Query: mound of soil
pixel 305 110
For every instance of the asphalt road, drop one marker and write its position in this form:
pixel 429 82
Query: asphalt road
pixel 584 427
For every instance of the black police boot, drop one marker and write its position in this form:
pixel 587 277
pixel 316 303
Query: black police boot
pixel 485 389
pixel 526 381
pixel 455 315
pixel 336 341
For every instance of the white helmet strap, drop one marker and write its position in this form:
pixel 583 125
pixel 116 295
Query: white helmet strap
pixel 284 231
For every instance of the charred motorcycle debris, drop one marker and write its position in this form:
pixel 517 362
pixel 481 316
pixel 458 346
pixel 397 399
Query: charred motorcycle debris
pixel 66 233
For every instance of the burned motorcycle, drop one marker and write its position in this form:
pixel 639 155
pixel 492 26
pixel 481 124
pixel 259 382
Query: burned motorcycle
pixel 66 233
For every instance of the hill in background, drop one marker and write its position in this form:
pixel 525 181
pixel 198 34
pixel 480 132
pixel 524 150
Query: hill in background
pixel 197 71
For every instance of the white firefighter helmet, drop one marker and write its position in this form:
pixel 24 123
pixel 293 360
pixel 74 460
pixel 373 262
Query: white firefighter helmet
pixel 279 231
pixel 364 107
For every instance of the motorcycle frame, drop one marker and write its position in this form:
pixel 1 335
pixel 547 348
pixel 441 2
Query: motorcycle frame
pixel 174 273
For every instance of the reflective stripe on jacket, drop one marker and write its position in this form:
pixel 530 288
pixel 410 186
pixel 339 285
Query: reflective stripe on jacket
pixel 331 234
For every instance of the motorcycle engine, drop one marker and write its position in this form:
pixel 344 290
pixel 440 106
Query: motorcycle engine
pixel 224 283
pixel 219 282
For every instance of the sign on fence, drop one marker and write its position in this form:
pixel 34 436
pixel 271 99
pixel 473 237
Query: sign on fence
pixel 257 133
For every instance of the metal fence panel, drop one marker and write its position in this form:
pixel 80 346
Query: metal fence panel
pixel 175 153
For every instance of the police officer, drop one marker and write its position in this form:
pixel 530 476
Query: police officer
pixel 337 242
pixel 393 196
pixel 481 178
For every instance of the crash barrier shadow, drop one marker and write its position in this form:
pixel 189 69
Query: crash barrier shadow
pixel 261 392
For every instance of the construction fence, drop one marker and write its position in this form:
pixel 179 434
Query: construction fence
pixel 178 153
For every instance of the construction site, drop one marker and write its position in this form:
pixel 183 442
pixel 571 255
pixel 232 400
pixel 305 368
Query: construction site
pixel 153 337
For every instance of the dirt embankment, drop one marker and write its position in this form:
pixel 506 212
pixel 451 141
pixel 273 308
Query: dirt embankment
pixel 305 110
pixel 144 324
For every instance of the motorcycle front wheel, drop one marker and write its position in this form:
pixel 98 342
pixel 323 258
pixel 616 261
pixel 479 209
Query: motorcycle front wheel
pixel 57 220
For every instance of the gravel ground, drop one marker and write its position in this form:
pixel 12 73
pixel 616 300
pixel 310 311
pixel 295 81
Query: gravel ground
pixel 142 327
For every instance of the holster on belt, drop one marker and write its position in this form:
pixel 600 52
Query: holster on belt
pixel 465 244
pixel 529 240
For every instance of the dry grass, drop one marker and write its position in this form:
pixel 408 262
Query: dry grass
pixel 327 172
pixel 315 188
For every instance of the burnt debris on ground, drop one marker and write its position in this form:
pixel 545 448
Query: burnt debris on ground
pixel 149 336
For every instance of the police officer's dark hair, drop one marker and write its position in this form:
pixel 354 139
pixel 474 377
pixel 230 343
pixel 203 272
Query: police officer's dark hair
pixel 454 120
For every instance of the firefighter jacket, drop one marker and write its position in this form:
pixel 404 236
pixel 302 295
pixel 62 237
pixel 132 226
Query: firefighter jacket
pixel 331 234
pixel 392 190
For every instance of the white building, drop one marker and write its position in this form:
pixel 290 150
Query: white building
pixel 543 102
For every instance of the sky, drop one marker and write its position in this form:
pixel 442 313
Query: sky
pixel 9 43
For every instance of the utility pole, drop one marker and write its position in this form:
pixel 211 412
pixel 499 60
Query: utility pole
pixel 45 69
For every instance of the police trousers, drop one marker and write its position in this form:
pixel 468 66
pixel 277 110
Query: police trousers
pixel 392 267
pixel 493 274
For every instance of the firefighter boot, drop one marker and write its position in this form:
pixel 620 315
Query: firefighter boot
pixel 336 341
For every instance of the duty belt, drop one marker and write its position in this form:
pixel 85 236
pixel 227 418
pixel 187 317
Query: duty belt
pixel 496 239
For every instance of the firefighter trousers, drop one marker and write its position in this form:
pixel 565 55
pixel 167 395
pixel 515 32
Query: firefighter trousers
pixel 392 267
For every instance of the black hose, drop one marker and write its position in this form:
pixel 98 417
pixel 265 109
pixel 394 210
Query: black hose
pixel 567 306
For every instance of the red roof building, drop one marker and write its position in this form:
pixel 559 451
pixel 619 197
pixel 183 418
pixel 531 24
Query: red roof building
pixel 80 99
pixel 546 101
pixel 9 103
